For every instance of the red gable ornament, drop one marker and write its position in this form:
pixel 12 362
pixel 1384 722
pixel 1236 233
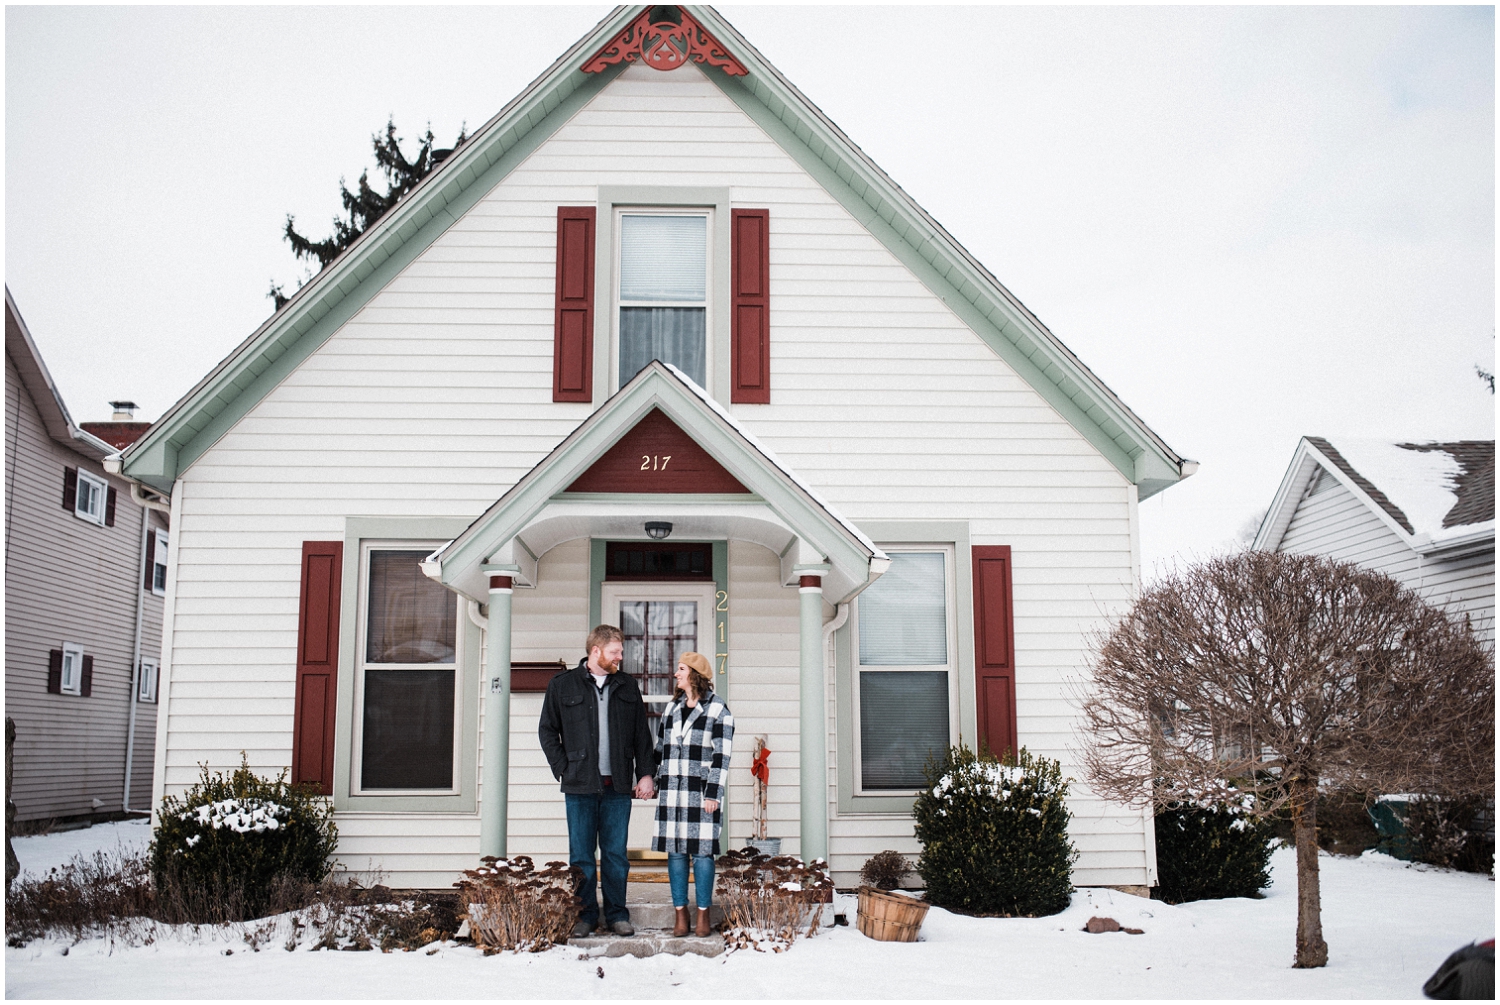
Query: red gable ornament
pixel 660 42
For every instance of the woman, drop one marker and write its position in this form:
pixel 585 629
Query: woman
pixel 692 757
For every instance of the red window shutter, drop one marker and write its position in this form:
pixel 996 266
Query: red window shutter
pixel 86 685
pixel 150 580
pixel 750 312
pixel 70 489
pixel 994 648
pixel 317 664
pixel 109 507
pixel 573 333
pixel 54 671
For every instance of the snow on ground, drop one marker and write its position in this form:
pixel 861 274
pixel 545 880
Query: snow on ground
pixel 40 853
pixel 1388 926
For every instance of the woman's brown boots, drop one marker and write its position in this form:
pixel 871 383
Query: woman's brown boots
pixel 702 928
pixel 680 928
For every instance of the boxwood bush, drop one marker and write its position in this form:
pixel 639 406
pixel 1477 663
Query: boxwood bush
pixel 994 834
pixel 234 840
pixel 1208 850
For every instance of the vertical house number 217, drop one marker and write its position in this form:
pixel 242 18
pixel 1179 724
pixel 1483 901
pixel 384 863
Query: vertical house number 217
pixel 655 462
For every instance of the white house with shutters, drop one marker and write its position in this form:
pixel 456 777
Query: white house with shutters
pixel 657 346
pixel 1422 512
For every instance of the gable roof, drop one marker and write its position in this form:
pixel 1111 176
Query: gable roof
pixel 1434 495
pixel 333 296
pixel 37 380
pixel 796 510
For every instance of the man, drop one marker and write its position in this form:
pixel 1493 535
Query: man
pixel 594 733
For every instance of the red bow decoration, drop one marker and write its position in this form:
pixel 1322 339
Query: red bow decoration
pixel 758 766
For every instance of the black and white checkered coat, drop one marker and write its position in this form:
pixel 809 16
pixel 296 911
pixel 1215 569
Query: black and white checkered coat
pixel 692 757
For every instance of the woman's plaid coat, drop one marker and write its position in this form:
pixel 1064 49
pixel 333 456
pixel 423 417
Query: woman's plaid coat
pixel 692 757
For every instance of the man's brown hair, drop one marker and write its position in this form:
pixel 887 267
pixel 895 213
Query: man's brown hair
pixel 603 635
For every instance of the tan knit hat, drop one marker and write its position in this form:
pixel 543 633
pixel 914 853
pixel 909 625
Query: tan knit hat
pixel 698 662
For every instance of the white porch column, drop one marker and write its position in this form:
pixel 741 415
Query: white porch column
pixel 496 775
pixel 814 775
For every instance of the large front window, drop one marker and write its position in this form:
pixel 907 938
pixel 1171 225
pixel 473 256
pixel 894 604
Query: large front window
pixel 663 294
pixel 408 678
pixel 904 670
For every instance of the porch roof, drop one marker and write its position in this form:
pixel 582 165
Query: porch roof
pixel 780 512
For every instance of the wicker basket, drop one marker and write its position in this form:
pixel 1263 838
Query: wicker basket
pixel 889 917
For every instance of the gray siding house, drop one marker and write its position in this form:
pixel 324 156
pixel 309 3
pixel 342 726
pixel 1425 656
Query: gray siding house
pixel 85 572
pixel 1421 512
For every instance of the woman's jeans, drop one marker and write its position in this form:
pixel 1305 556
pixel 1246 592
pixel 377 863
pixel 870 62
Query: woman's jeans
pixel 703 878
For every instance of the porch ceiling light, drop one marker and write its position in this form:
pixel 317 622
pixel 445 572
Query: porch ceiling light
pixel 657 530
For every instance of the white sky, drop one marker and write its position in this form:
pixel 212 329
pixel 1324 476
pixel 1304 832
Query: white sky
pixel 1252 223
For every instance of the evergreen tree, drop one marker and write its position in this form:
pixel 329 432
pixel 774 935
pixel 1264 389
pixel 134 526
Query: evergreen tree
pixel 365 205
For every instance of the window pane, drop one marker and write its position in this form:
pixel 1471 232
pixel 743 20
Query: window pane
pixel 656 633
pixel 663 257
pixel 408 735
pixel 903 719
pixel 412 618
pixel 903 618
pixel 671 334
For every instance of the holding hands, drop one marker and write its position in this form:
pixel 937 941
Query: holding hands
pixel 645 788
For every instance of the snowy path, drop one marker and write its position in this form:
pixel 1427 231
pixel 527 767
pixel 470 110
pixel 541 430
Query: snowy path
pixel 39 854
pixel 1388 927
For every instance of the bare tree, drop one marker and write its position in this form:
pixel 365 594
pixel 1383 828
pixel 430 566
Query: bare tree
pixel 1268 675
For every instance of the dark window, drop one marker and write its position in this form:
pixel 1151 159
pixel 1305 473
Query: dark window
pixel 652 560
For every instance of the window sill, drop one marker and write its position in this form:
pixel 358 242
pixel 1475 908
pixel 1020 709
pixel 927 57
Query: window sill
pixel 446 802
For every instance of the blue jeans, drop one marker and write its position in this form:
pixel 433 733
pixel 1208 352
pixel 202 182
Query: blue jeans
pixel 703 878
pixel 601 820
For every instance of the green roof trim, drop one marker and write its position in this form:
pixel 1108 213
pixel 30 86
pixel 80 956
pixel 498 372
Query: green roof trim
pixel 210 409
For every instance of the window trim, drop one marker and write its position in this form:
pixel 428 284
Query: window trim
pixel 162 546
pixel 103 486
pixel 72 649
pixel 923 534
pixel 150 670
pixel 367 547
pixel 666 199
pixel 950 590
pixel 404 531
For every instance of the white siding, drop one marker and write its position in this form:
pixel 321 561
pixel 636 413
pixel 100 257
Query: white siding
pixel 436 397
pixel 1337 523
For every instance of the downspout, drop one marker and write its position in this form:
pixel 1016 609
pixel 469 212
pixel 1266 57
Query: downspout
pixel 135 653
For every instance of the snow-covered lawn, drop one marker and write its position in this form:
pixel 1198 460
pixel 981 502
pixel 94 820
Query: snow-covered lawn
pixel 1388 927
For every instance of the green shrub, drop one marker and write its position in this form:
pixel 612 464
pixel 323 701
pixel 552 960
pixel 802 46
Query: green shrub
pixel 231 845
pixel 994 834
pixel 1455 833
pixel 1211 850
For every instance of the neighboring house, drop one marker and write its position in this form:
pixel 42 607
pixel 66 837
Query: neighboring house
pixel 1422 512
pixel 85 574
pixel 879 492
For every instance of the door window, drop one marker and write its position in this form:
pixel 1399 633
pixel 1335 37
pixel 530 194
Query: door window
pixel 657 633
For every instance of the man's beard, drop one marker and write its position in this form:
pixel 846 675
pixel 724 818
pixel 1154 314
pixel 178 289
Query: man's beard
pixel 606 665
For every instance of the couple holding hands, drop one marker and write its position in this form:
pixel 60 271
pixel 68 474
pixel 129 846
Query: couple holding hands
pixel 597 740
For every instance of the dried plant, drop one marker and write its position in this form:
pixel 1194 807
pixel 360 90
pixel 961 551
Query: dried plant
pixel 513 905
pixel 1272 676
pixel 885 869
pixel 770 900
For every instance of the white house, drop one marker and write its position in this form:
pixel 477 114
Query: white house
pixel 1422 512
pixel 897 503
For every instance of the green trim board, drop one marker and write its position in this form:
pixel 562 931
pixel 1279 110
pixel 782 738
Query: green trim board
pixel 893 532
pixel 356 531
pixel 336 293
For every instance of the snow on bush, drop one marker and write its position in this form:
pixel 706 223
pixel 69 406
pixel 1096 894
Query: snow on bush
pixel 994 834
pixel 1211 847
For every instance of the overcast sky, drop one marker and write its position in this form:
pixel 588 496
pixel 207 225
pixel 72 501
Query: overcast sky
pixel 1251 223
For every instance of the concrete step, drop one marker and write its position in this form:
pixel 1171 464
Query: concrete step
pixel 647 943
pixel 658 915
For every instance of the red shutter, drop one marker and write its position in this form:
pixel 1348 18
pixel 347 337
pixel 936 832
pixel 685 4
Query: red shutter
pixel 70 489
pixel 54 671
pixel 317 664
pixel 573 333
pixel 994 648
pixel 86 685
pixel 750 313
pixel 109 507
pixel 150 559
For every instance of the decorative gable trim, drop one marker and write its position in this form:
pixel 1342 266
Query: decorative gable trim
pixel 665 44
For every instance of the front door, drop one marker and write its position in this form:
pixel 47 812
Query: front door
pixel 660 621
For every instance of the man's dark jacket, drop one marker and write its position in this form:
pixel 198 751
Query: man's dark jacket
pixel 569 731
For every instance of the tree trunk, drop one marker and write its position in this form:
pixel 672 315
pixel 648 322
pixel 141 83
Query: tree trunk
pixel 1312 951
